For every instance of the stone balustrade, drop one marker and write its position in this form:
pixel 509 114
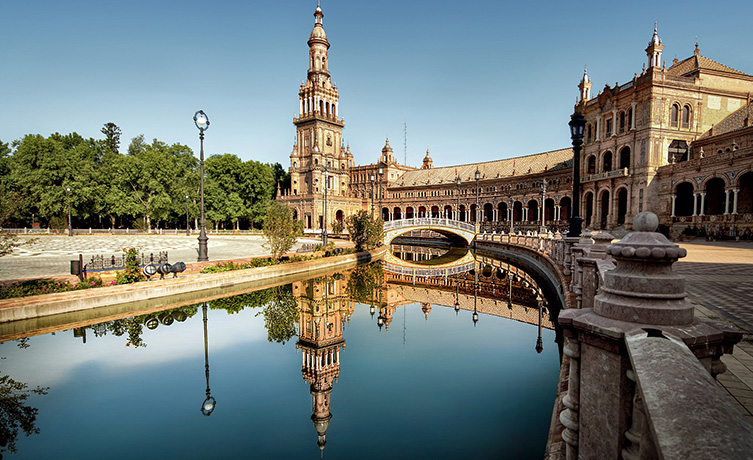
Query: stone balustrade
pixel 638 367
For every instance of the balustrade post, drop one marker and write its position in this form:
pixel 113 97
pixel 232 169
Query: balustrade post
pixel 571 401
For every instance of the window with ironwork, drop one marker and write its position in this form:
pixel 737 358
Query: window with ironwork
pixel 674 115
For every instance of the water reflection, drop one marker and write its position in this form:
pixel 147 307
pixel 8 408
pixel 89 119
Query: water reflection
pixel 324 307
pixel 318 311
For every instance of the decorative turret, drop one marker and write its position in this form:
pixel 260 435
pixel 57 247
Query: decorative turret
pixel 387 156
pixel 428 163
pixel 654 49
pixel 585 86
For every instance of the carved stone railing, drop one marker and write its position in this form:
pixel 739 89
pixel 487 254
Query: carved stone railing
pixel 621 172
pixel 639 367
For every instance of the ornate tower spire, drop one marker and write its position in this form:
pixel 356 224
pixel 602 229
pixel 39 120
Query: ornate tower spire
pixel 585 86
pixel 654 49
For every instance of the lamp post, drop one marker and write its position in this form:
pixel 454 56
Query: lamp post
pixel 381 174
pixel 70 226
pixel 577 124
pixel 477 176
pixel 188 226
pixel 457 207
pixel 209 402
pixel 324 217
pixel 201 121
pixel 373 178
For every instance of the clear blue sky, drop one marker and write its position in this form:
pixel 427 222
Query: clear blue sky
pixel 474 80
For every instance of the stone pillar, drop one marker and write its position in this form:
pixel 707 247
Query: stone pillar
pixel 674 198
pixel 695 204
pixel 569 416
pixel 703 203
pixel 734 201
pixel 726 202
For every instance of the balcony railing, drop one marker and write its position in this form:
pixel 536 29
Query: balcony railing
pixel 622 172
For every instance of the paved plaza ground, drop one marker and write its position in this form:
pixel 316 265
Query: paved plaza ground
pixel 51 255
pixel 718 280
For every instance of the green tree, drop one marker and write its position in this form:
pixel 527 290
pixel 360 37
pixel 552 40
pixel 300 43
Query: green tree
pixel 15 415
pixel 280 229
pixel 112 137
pixel 363 282
pixel 280 315
pixel 366 233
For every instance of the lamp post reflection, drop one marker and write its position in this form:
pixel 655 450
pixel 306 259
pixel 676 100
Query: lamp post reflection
pixel 475 292
pixel 539 343
pixel 457 300
pixel 209 403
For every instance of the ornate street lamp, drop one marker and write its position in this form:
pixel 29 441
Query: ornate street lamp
pixel 209 403
pixel 324 217
pixel 70 225
pixel 577 124
pixel 477 176
pixel 201 121
pixel 373 178
pixel 188 226
pixel 381 173
pixel 457 208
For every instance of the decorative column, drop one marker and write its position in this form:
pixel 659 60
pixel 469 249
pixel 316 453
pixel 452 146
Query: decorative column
pixel 569 416
pixel 726 202
pixel 674 198
pixel 703 203
pixel 734 201
pixel 695 204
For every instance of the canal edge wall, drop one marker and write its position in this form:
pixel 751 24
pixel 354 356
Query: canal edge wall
pixel 72 301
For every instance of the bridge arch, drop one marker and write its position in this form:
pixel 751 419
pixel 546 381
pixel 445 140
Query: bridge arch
pixel 452 228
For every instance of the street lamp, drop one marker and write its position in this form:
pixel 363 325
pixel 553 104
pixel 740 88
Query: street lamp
pixel 477 176
pixel 373 178
pixel 209 403
pixel 70 226
pixel 188 227
pixel 201 120
pixel 457 300
pixel 577 124
pixel 457 208
pixel 381 173
pixel 324 217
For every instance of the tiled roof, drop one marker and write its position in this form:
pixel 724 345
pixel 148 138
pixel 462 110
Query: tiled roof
pixel 530 164
pixel 733 121
pixel 696 63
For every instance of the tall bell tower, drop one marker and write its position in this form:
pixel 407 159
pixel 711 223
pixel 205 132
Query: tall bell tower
pixel 319 159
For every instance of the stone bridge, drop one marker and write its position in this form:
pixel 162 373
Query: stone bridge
pixel 449 227
pixel 636 360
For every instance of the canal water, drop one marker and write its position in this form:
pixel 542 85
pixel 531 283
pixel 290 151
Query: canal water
pixel 353 365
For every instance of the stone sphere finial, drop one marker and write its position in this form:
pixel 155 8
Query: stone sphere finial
pixel 646 222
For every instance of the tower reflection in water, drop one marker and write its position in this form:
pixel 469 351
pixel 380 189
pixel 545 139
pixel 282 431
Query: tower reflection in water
pixel 324 308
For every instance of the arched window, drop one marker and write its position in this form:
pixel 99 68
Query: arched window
pixel 622 122
pixel 674 114
pixel 591 167
pixel 686 117
pixel 588 133
pixel 607 161
pixel 625 157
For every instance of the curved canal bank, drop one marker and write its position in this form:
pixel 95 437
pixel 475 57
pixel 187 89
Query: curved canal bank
pixel 38 307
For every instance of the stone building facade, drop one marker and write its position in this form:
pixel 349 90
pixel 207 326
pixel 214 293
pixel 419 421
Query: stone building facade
pixel 674 141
